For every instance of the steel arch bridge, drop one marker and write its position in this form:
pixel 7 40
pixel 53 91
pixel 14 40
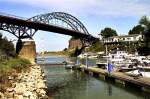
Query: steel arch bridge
pixel 59 22
pixel 49 19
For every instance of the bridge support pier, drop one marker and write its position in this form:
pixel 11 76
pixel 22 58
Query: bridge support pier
pixel 26 48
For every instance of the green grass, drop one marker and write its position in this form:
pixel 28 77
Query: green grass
pixel 11 67
pixel 13 64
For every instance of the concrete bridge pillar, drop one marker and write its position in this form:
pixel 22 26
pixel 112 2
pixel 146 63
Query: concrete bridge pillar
pixel 26 48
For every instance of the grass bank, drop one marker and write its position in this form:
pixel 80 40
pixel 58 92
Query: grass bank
pixel 13 64
pixel 11 68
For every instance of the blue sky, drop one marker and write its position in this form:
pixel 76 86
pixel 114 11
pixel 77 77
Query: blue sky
pixel 121 15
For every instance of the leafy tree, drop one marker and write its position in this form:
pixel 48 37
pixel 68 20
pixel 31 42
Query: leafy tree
pixel 74 37
pixel 136 30
pixel 108 32
pixel 145 22
pixel 97 46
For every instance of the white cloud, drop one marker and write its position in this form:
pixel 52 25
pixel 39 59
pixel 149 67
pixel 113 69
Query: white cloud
pixel 110 8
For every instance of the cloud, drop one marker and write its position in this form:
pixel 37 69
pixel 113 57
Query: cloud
pixel 108 8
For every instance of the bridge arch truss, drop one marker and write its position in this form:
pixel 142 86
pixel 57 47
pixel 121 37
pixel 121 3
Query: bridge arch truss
pixel 55 17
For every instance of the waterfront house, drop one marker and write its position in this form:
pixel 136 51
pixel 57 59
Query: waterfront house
pixel 123 38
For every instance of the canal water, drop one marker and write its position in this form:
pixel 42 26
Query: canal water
pixel 69 84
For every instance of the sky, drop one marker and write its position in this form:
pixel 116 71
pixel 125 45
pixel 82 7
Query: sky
pixel 121 15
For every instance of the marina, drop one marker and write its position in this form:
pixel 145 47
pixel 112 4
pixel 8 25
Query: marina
pixel 92 83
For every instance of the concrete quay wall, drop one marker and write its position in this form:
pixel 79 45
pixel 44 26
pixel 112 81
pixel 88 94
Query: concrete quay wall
pixel 141 83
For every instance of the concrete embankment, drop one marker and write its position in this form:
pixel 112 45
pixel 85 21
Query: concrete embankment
pixel 142 83
pixel 27 85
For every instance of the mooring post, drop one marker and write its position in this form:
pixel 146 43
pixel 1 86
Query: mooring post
pixel 86 60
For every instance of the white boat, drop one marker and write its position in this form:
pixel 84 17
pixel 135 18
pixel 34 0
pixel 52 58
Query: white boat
pixel 82 55
pixel 119 58
pixel 69 66
pixel 138 72
pixel 93 56
pixel 89 55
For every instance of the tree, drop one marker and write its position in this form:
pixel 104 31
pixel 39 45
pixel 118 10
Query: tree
pixel 97 47
pixel 108 32
pixel 136 30
pixel 145 22
pixel 74 38
pixel 65 49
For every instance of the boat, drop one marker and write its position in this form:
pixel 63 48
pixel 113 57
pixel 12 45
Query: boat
pixel 102 65
pixel 93 56
pixel 142 70
pixel 139 72
pixel 69 64
pixel 89 55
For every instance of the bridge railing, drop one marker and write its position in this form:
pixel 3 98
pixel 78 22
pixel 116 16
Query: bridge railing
pixel 10 15
pixel 18 17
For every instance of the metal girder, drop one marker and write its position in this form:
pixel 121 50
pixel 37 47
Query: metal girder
pixel 18 31
pixel 73 22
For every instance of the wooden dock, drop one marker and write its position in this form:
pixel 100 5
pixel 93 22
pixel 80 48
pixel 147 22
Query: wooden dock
pixel 118 77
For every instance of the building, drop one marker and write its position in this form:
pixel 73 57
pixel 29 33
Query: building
pixel 125 38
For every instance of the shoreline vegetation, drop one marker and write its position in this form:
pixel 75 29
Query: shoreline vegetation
pixel 20 79
pixel 9 68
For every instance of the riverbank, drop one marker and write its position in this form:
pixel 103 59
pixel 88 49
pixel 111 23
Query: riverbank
pixel 29 84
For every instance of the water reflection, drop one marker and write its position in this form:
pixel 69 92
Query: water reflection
pixel 109 90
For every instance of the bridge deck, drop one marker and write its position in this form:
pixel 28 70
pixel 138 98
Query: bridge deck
pixel 40 26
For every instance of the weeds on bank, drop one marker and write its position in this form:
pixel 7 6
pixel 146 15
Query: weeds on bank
pixel 17 64
pixel 11 67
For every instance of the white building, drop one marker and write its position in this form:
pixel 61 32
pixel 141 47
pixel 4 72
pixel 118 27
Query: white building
pixel 125 38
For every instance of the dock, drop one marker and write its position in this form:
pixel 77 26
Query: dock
pixel 125 80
